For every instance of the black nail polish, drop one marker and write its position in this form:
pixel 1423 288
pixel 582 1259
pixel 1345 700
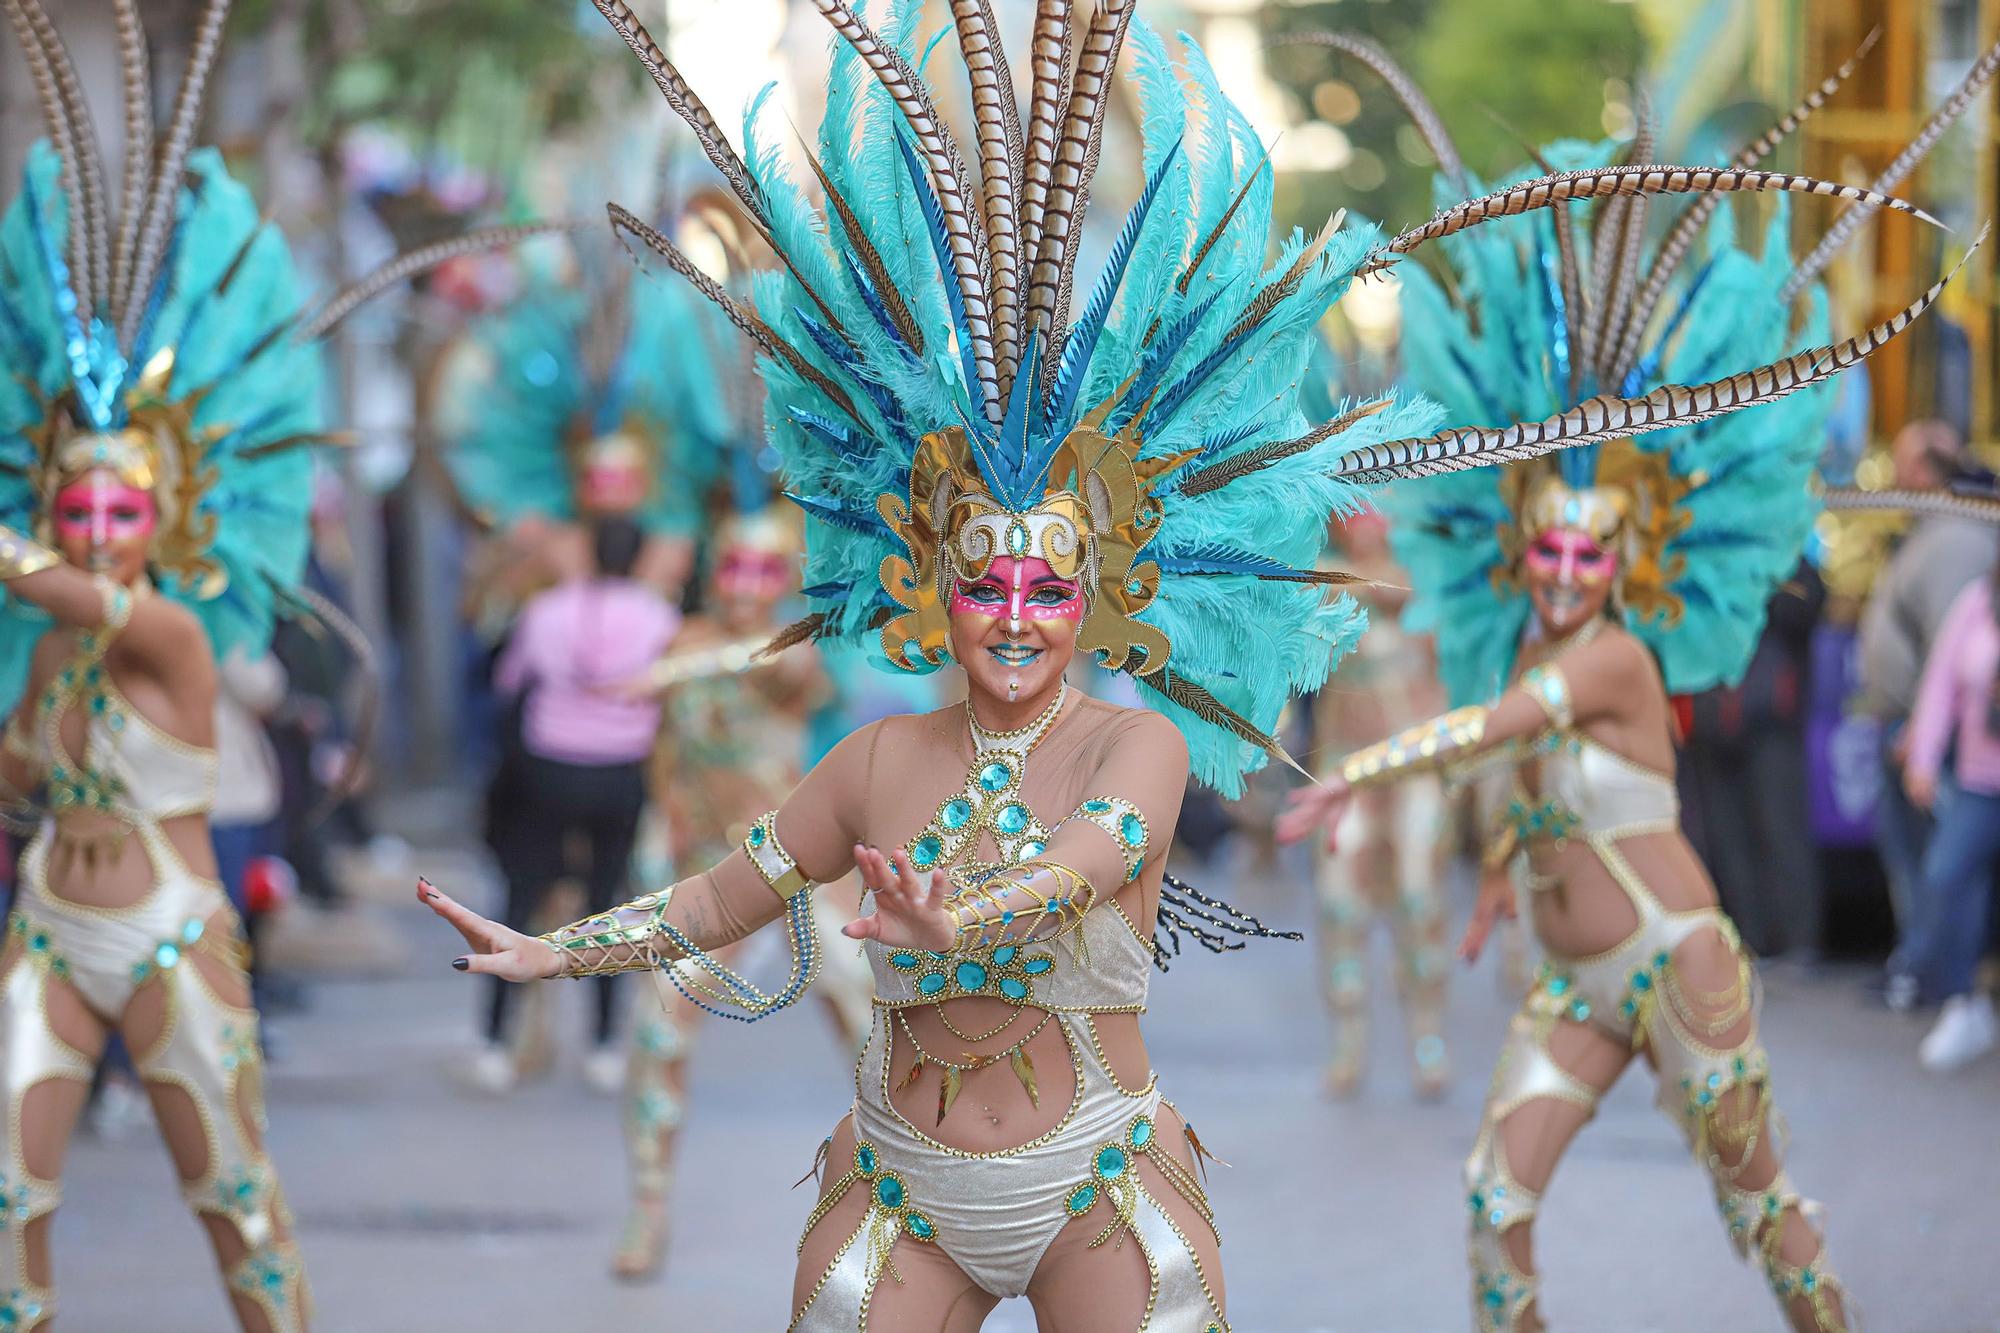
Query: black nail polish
pixel 461 963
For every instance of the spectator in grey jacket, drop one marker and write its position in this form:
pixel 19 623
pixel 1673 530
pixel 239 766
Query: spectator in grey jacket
pixel 1934 561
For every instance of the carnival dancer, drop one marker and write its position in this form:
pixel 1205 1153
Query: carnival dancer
pixel 159 384
pixel 559 413
pixel 991 483
pixel 1569 595
pixel 1393 864
pixel 732 746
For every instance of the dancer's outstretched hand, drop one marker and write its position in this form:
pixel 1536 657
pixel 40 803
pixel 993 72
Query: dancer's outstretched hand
pixel 1309 808
pixel 496 950
pixel 909 908
pixel 1496 900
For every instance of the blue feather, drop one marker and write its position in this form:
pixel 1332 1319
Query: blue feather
pixel 947 274
pixel 1083 335
pixel 830 509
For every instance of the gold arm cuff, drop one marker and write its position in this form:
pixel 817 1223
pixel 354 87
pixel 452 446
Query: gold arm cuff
pixel 1425 747
pixel 771 859
pixel 1547 686
pixel 20 556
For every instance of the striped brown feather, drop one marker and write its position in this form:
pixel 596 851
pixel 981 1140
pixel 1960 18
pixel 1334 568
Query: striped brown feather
pixel 1942 504
pixel 89 244
pixel 370 285
pixel 135 64
pixel 156 223
pixel 1681 236
pixel 1844 227
pixel 967 236
pixel 61 132
pixel 871 260
pixel 1048 63
pixel 1607 417
pixel 1217 475
pixel 1075 161
pixel 1422 114
pixel 997 125
pixel 743 318
pixel 1604 182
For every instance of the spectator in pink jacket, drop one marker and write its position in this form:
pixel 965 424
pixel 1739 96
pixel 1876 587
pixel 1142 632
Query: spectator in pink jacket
pixel 1957 714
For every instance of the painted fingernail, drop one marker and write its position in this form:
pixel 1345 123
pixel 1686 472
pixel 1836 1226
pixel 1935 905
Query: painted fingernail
pixel 461 963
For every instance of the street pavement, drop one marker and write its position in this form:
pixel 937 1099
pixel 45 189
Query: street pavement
pixel 424 1207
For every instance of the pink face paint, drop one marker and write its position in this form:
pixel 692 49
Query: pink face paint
pixel 1571 558
pixel 1016 591
pixel 613 487
pixel 100 509
pixel 749 573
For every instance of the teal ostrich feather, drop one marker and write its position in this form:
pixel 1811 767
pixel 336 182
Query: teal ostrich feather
pixel 1219 347
pixel 1500 353
pixel 253 394
pixel 520 391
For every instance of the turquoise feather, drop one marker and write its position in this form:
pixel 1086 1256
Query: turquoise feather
pixel 260 501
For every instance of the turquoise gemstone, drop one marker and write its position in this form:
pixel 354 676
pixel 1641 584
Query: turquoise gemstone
pixel 1641 982
pixel 1013 818
pixel 1034 967
pixel 1142 1133
pixel 1081 1199
pixel 1096 807
pixel 1030 849
pixel 1005 954
pixel 995 776
pixel 1557 985
pixel 191 932
pixel 919 1226
pixel 864 1157
pixel 904 962
pixel 970 976
pixel 167 954
pixel 1111 1163
pixel 1017 539
pixel 889 1192
pixel 956 813
pixel 757 836
pixel 1014 989
pixel 1132 830
pixel 930 983
pixel 926 852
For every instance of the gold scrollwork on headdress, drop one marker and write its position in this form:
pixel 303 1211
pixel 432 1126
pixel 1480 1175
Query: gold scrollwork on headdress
pixel 1095 516
pixel 161 451
pixel 1633 506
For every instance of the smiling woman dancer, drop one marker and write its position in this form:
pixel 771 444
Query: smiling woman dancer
pixel 1582 594
pixel 1140 487
pixel 159 384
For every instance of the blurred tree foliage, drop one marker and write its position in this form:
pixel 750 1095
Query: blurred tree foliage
pixel 1542 68
pixel 481 81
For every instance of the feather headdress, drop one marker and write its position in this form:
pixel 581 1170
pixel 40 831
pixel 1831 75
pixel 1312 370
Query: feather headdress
pixel 941 389
pixel 1569 312
pixel 166 339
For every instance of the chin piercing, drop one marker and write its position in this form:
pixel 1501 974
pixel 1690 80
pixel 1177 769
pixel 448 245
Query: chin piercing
pixel 1013 688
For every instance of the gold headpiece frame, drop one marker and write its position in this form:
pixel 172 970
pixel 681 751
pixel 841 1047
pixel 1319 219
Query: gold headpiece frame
pixel 1633 506
pixel 1095 516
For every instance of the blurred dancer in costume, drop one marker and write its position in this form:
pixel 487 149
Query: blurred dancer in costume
pixel 1394 860
pixel 732 744
pixel 558 413
pixel 159 385
pixel 1569 596
pixel 991 482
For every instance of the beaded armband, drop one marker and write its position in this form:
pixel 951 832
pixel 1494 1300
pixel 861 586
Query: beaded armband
pixel 20 557
pixel 1425 747
pixel 1004 906
pixel 1547 686
pixel 1122 820
pixel 771 859
pixel 637 936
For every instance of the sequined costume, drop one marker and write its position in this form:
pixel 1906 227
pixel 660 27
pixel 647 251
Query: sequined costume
pixel 945 394
pixel 1391 862
pixel 159 394
pixel 206 1043
pixel 1680 535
